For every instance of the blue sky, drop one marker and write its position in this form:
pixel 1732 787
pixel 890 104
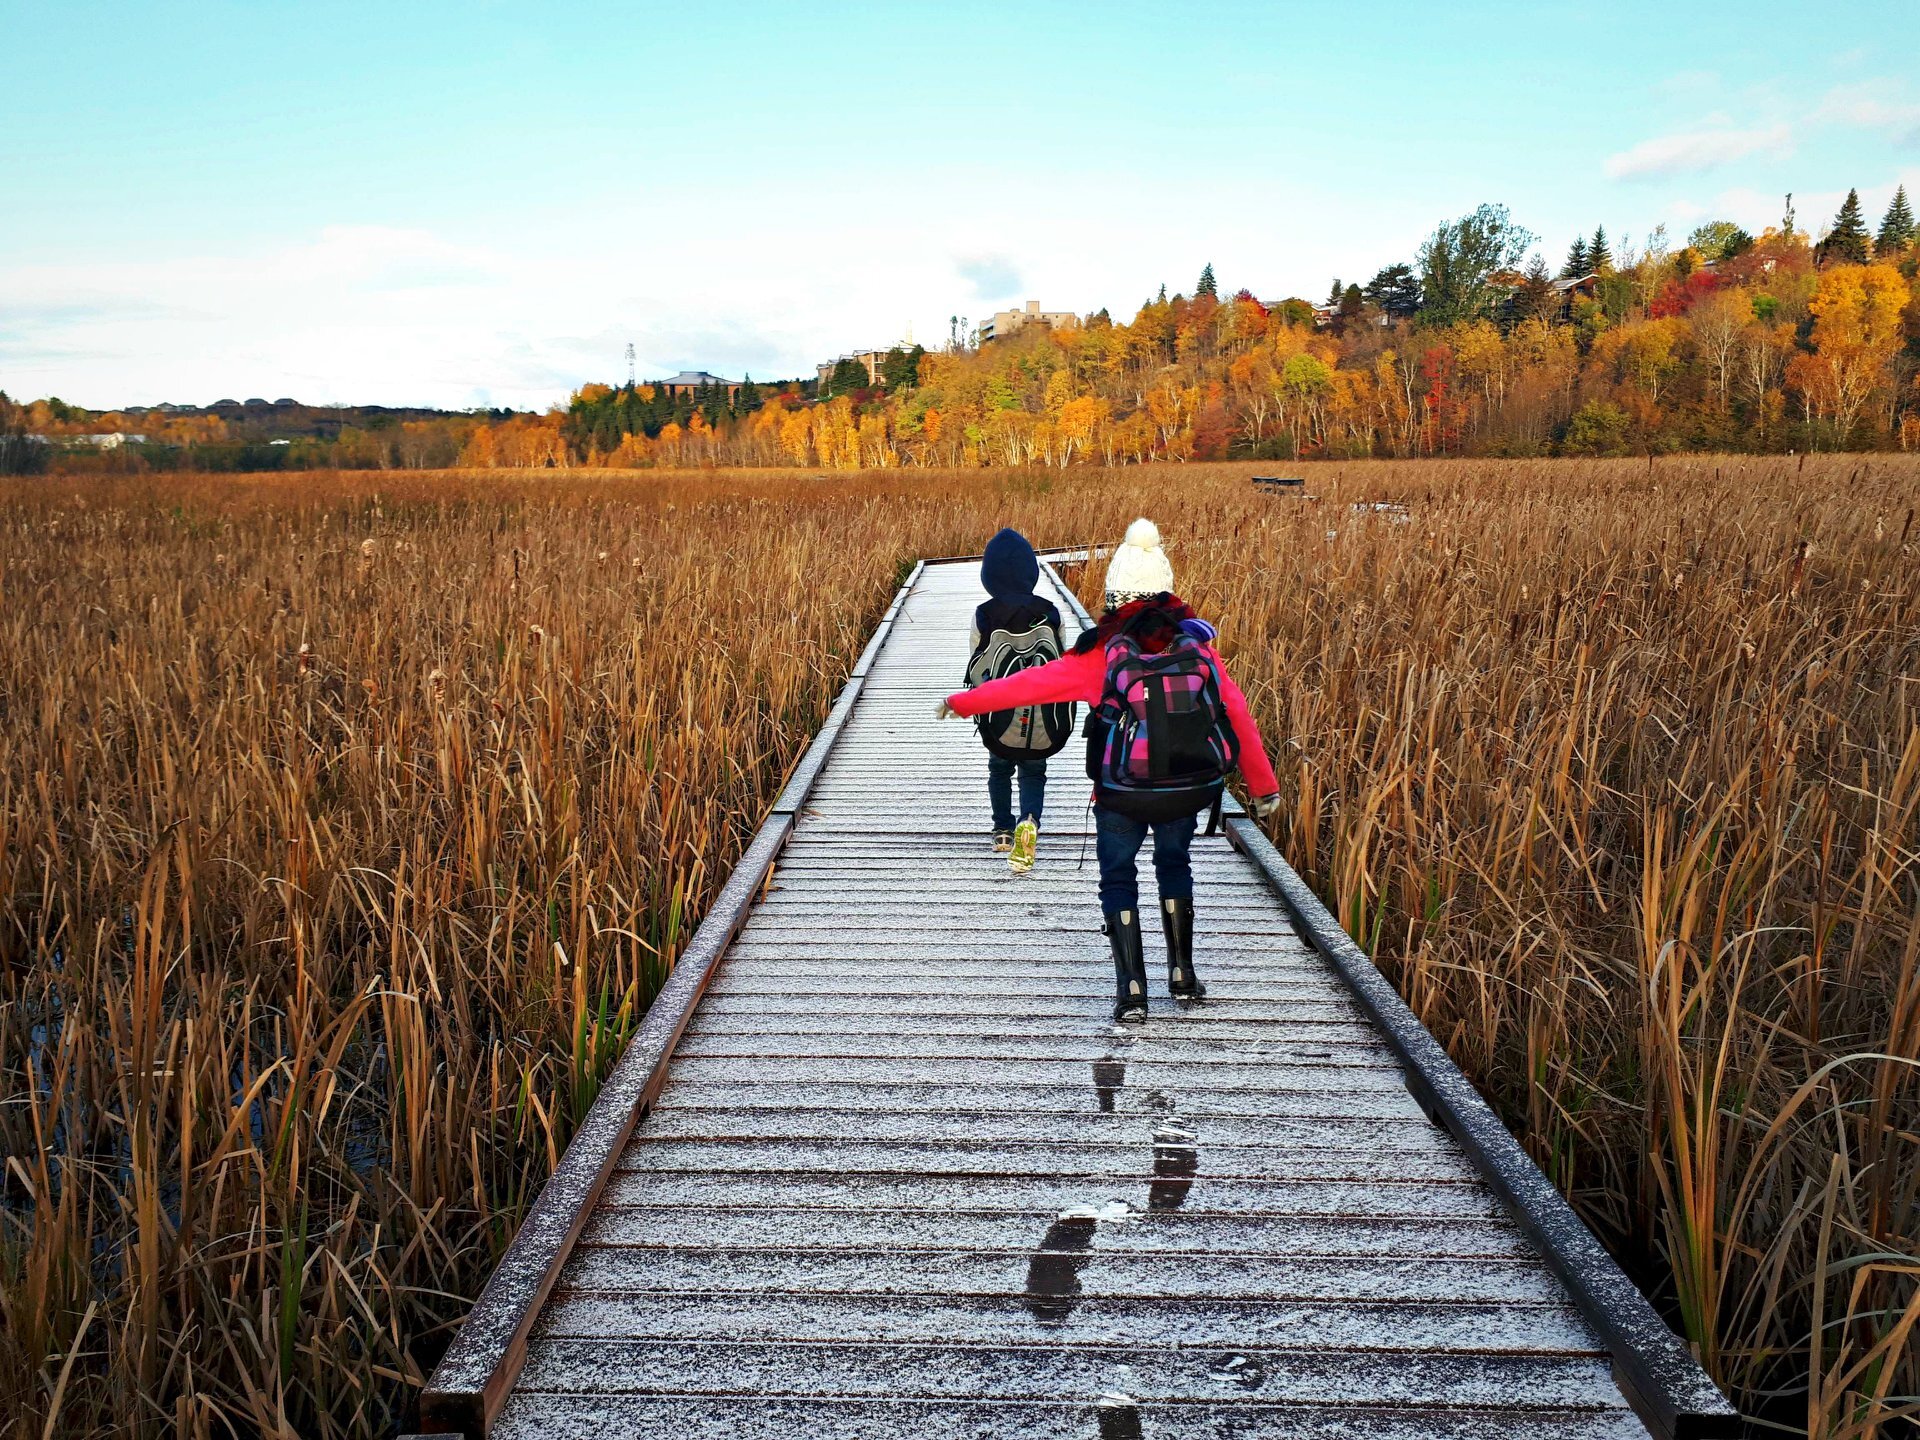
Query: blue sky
pixel 458 204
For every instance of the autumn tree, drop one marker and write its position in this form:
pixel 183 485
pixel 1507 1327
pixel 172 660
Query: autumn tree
pixel 1856 334
pixel 1719 240
pixel 20 454
pixel 1717 323
pixel 1847 243
pixel 1897 229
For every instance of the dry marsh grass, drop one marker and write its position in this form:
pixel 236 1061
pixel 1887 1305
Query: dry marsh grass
pixel 347 824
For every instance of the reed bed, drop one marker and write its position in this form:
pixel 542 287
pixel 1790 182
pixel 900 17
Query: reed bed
pixel 348 823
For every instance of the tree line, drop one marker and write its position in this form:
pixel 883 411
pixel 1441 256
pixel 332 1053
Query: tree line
pixel 1727 341
pixel 1475 346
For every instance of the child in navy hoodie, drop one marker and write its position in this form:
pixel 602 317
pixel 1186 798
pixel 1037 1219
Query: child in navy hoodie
pixel 1013 630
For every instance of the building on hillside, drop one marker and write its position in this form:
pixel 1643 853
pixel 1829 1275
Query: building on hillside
pixel 1575 287
pixel 111 440
pixel 688 382
pixel 1004 323
pixel 873 360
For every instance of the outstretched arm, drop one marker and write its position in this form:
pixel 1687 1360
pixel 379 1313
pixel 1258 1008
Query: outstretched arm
pixel 1071 677
pixel 1254 765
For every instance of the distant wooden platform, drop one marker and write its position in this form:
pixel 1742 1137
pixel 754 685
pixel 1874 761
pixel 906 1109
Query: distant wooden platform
pixel 899 1175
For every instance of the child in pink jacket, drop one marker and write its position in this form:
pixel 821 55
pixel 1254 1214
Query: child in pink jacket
pixel 1140 605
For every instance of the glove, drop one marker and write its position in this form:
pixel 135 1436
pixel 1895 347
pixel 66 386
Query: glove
pixel 944 711
pixel 1264 807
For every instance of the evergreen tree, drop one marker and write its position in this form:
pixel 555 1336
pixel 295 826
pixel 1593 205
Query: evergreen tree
pixel 1536 298
pixel 1599 257
pixel 1396 290
pixel 1206 285
pixel 1163 294
pixel 1460 261
pixel 901 368
pixel 747 399
pixel 1352 302
pixel 1898 229
pixel 846 377
pixel 1576 265
pixel 1846 243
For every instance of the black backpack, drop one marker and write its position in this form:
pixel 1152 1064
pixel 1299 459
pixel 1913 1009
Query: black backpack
pixel 1167 744
pixel 1022 639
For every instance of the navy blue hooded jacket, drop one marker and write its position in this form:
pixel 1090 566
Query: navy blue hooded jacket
pixel 1009 570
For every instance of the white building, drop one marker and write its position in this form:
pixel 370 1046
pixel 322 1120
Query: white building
pixel 1011 322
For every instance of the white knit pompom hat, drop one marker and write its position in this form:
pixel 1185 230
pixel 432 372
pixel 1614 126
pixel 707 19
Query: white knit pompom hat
pixel 1139 567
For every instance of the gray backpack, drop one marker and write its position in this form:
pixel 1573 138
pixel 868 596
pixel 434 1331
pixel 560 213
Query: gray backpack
pixel 1026 732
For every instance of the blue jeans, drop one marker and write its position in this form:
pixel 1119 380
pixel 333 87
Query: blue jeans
pixel 1033 789
pixel 1117 840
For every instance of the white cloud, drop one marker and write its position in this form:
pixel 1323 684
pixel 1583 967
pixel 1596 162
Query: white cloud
pixel 1873 105
pixel 1693 151
pixel 993 277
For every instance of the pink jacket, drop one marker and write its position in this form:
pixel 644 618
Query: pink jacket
pixel 1083 677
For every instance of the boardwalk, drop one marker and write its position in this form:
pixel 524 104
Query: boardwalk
pixel 902 1176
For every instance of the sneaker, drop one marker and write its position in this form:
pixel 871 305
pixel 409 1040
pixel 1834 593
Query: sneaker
pixel 1026 839
pixel 1002 841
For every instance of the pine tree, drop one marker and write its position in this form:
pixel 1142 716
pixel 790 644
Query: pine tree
pixel 1206 285
pixel 1599 257
pixel 1396 290
pixel 1333 295
pixel 1846 243
pixel 1163 294
pixel 1898 229
pixel 1536 298
pixel 1576 265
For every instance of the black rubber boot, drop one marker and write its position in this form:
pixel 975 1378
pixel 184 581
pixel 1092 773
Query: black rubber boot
pixel 1176 922
pixel 1129 966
